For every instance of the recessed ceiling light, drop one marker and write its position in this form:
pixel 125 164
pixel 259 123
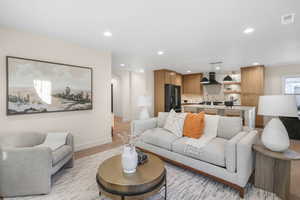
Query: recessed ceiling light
pixel 188 71
pixel 249 30
pixel 107 34
pixel 122 65
pixel 218 68
pixel 160 53
pixel 255 63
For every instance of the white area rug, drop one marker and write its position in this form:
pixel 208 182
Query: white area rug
pixel 79 183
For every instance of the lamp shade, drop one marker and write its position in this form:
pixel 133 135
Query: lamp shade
pixel 278 105
pixel 144 101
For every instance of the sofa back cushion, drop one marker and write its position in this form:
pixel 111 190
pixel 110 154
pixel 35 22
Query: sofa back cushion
pixel 161 119
pixel 229 126
pixel 211 125
pixel 21 140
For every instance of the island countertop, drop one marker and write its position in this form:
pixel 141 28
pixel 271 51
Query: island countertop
pixel 222 107
pixel 248 112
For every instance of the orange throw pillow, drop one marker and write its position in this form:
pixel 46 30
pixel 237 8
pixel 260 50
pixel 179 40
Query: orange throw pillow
pixel 194 125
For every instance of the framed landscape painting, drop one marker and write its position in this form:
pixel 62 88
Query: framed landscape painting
pixel 35 86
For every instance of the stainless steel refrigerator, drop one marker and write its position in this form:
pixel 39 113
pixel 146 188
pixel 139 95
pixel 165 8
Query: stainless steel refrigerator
pixel 172 98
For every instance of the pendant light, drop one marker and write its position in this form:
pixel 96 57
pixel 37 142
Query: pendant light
pixel 227 78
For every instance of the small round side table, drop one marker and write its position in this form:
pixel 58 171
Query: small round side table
pixel 273 171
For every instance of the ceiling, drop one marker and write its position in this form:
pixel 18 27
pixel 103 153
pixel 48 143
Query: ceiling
pixel 192 33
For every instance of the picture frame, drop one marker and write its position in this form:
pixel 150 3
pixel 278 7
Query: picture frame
pixel 37 86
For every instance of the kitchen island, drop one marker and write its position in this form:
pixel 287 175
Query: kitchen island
pixel 248 112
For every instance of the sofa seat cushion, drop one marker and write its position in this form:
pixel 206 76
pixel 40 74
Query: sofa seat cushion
pixel 159 137
pixel 60 154
pixel 213 152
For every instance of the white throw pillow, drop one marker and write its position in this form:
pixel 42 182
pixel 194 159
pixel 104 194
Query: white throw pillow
pixel 174 123
pixel 211 125
pixel 161 119
pixel 55 140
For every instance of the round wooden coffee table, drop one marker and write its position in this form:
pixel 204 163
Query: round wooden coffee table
pixel 148 179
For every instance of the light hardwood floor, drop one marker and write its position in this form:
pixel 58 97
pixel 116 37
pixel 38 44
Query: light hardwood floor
pixel 124 127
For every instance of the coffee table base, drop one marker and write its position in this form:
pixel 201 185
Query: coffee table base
pixel 138 195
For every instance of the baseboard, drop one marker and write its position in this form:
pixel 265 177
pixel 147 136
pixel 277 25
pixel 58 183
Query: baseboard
pixel 96 142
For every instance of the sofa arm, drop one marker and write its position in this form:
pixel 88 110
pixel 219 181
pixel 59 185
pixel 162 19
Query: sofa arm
pixel 25 171
pixel 245 157
pixel 70 141
pixel 231 151
pixel 139 126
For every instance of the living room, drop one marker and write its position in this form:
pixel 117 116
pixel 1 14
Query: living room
pixel 149 100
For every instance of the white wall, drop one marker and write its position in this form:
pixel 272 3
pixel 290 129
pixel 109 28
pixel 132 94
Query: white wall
pixel 117 101
pixel 126 95
pixel 273 77
pixel 90 128
pixel 133 85
pixel 142 84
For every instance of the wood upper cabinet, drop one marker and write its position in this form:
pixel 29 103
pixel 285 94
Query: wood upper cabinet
pixel 191 84
pixel 252 80
pixel 170 77
pixel 178 80
pixel 252 86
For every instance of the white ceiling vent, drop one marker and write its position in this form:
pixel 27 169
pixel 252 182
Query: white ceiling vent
pixel 288 18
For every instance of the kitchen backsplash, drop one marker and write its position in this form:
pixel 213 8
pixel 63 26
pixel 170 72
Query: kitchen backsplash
pixel 217 92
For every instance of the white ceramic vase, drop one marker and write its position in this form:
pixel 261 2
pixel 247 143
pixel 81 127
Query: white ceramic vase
pixel 129 159
pixel 275 136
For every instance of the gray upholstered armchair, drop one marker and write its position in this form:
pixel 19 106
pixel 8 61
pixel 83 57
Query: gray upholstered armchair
pixel 26 169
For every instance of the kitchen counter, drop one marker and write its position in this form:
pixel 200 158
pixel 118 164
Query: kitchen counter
pixel 248 112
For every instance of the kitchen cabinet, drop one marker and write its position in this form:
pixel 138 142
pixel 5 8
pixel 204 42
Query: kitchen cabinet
pixel 252 86
pixel 191 84
pixel 178 80
pixel 162 77
pixel 170 77
pixel 252 80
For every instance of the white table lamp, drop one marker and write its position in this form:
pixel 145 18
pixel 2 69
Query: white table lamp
pixel 275 136
pixel 144 102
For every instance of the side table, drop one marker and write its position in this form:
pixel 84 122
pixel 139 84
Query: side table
pixel 273 171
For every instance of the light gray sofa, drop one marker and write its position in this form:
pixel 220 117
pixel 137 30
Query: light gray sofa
pixel 228 158
pixel 26 169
